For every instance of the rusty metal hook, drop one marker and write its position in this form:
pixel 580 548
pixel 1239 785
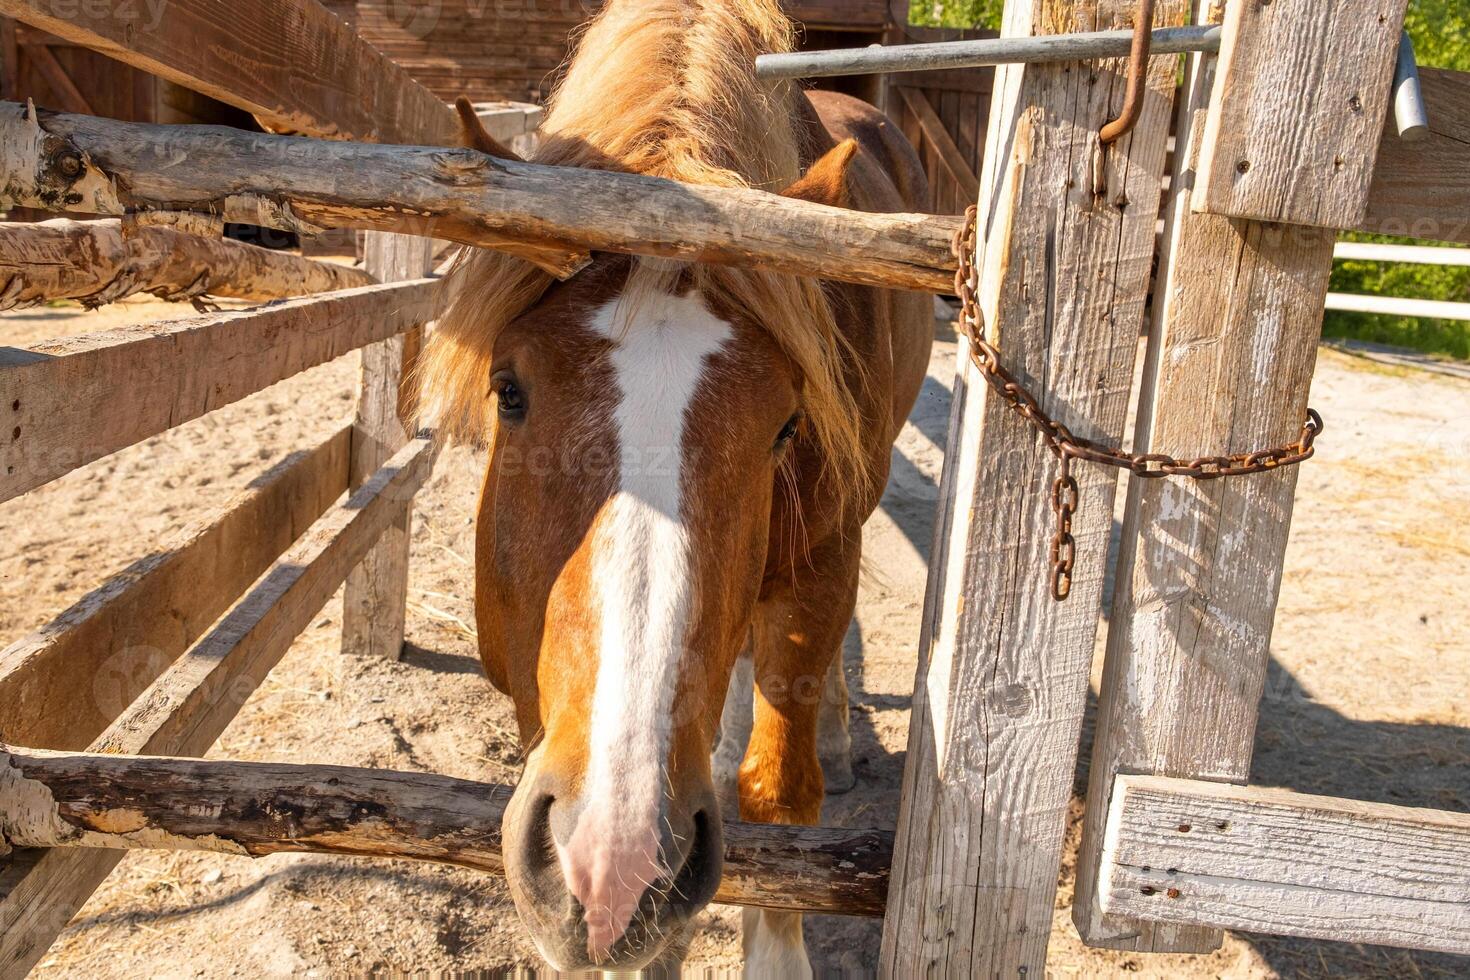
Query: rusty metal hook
pixel 1143 25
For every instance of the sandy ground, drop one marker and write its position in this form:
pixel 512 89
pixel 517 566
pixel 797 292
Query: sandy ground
pixel 1367 694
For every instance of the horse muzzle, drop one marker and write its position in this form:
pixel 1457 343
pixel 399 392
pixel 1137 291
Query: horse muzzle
pixel 598 892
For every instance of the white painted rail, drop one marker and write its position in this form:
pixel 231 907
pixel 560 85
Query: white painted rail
pixel 1422 254
pixel 1398 306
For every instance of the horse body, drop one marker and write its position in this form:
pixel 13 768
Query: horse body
pixel 681 459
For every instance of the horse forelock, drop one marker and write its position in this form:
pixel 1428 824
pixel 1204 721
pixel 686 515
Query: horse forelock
pixel 665 88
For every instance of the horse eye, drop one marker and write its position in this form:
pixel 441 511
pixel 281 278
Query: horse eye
pixel 512 401
pixel 788 431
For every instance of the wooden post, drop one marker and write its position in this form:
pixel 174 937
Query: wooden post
pixel 377 590
pixel 1230 364
pixel 1003 668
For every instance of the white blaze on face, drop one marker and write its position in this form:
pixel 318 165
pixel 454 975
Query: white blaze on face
pixel 642 591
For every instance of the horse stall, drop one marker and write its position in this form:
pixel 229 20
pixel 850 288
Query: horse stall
pixel 1053 274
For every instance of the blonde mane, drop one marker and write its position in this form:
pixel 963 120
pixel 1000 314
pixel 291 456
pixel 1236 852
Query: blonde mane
pixel 665 88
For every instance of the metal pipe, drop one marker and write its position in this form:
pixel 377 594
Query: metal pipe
pixel 878 59
pixel 1409 113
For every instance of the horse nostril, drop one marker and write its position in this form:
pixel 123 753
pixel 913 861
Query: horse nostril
pixel 699 878
pixel 536 846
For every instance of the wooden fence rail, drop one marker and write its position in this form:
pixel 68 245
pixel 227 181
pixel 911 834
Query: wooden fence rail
pixel 79 800
pixel 99 262
pixel 70 401
pixel 1269 860
pixel 61 686
pixel 549 215
pixel 1398 306
pixel 189 705
pixel 1422 189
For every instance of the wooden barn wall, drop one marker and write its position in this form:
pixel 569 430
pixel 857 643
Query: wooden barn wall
pixel 961 99
pixel 60 75
pixel 512 49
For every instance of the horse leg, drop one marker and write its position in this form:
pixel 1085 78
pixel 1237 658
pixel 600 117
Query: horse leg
pixel 735 723
pixel 797 633
pixel 834 744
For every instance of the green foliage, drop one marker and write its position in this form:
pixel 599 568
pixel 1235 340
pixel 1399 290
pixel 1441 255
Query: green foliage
pixel 956 13
pixel 1441 33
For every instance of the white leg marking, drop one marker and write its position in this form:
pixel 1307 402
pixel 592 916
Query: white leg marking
pixel 834 743
pixel 736 721
pixel 642 581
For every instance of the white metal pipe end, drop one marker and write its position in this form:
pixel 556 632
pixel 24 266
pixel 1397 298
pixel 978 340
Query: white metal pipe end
pixel 1409 113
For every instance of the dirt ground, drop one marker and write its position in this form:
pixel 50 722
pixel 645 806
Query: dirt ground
pixel 1367 695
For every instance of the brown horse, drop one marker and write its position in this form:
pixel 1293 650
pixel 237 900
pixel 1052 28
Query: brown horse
pixel 681 458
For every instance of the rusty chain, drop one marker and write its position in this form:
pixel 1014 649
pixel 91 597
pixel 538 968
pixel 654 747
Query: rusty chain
pixel 1067 447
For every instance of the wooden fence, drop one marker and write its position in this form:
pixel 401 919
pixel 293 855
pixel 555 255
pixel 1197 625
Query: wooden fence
pixel 1003 669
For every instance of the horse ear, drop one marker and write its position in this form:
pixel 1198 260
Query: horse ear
pixel 473 135
pixel 825 182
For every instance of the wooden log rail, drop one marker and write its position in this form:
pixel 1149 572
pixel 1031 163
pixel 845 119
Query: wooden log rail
pixel 62 162
pixel 89 800
pixel 99 262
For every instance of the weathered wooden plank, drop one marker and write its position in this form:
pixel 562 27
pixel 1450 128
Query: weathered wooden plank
pixel 1422 189
pixel 1003 669
pixel 87 800
pixel 1289 864
pixel 62 685
pixel 70 401
pixel 95 262
pixel 376 599
pixel 1238 313
pixel 65 162
pixel 291 63
pixel 186 709
pixel 938 136
pixel 1300 99
pixel 504 121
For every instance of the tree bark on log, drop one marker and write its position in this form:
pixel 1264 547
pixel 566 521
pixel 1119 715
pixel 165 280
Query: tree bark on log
pixel 547 215
pixel 91 800
pixel 96 262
